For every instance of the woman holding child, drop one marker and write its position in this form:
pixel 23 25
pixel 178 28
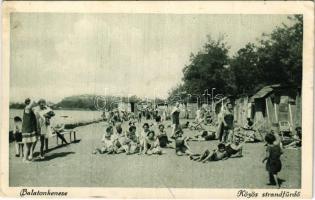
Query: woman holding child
pixel 43 114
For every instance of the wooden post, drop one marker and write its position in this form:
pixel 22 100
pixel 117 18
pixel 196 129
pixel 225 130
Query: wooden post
pixel 276 114
pixel 267 111
pixel 290 113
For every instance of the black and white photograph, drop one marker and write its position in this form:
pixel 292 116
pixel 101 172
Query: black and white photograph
pixel 156 100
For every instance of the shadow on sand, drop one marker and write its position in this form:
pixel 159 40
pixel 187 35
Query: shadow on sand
pixel 36 154
pixel 55 155
pixel 281 181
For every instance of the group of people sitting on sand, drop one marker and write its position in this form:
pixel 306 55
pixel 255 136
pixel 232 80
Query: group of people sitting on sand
pixel 115 140
pixel 153 138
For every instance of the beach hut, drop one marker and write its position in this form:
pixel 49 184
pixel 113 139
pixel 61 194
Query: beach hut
pixel 277 104
pixel 242 111
pixel 272 104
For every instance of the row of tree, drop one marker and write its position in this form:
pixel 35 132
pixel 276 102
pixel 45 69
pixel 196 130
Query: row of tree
pixel 92 102
pixel 275 59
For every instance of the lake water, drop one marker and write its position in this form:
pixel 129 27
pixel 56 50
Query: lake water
pixel 62 116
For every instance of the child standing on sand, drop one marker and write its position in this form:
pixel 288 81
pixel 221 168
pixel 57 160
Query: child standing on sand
pixel 139 116
pixel 273 164
pixel 18 136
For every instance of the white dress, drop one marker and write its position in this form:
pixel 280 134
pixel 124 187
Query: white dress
pixel 45 129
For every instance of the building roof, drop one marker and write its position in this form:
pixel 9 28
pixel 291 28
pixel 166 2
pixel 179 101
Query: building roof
pixel 263 92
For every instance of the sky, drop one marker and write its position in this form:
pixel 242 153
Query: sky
pixel 55 55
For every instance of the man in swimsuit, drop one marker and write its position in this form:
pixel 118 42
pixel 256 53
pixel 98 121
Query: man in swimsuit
pixel 228 123
pixel 208 155
pixel 234 148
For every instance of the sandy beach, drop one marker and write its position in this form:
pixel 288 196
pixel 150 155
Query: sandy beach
pixel 75 166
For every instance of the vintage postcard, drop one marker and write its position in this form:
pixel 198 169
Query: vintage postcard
pixel 157 99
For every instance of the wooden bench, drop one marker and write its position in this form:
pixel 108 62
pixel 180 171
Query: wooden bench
pixel 72 135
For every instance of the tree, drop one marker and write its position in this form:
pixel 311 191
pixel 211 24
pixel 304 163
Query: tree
pixel 280 54
pixel 177 94
pixel 247 75
pixel 206 69
pixel 276 59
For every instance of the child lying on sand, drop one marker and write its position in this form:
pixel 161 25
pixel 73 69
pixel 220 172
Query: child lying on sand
pixel 204 136
pixel 185 125
pixel 222 152
pixel 234 148
pixel 207 155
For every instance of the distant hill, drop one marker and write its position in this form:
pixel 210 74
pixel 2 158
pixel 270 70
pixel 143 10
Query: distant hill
pixel 88 102
pixel 16 105
pixel 85 102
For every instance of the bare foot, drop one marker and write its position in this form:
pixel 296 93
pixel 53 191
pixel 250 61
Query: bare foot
pixel 26 161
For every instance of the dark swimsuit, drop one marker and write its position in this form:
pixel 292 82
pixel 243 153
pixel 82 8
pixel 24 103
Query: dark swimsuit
pixel 163 140
pixel 158 118
pixel 18 136
pixel 273 164
pixel 29 122
pixel 230 151
pixel 209 137
pixel 176 117
pixel 229 118
pixel 180 146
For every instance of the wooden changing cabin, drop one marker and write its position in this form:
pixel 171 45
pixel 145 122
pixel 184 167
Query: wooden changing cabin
pixel 272 104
